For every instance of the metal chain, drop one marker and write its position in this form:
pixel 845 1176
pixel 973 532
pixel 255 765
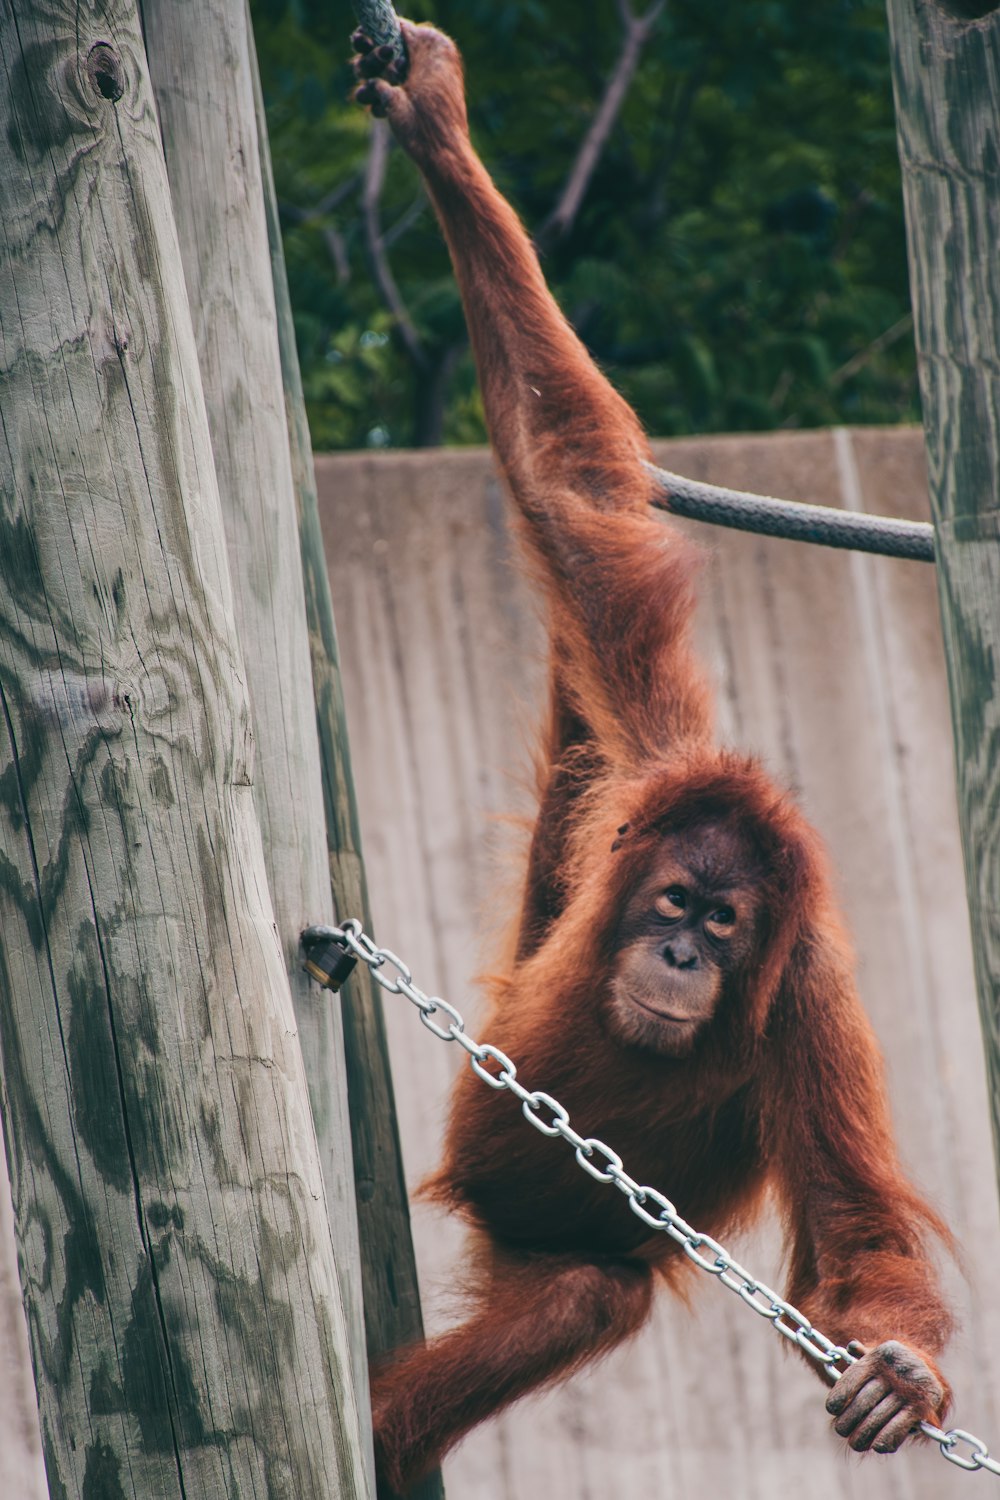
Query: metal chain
pixel 551 1118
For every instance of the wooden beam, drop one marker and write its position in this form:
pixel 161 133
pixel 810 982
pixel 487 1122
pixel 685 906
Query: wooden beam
pixel 203 66
pixel 946 66
pixel 182 1296
pixel 392 1298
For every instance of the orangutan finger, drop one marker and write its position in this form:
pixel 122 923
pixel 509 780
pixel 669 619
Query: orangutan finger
pixel 864 1402
pixel 867 1431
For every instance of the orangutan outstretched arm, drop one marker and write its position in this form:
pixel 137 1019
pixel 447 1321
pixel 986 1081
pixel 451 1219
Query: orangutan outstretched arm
pixel 570 447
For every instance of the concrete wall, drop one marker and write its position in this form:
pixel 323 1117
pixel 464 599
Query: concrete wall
pixel 829 664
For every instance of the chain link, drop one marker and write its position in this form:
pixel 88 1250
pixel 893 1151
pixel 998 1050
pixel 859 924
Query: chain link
pixel 647 1203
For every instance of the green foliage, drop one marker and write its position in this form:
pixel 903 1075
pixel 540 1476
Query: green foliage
pixel 739 259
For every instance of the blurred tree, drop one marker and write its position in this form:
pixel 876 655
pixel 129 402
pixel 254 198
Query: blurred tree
pixel 715 190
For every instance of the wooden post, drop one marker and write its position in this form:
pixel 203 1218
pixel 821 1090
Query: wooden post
pixel 202 67
pixel 392 1298
pixel 946 61
pixel 184 1312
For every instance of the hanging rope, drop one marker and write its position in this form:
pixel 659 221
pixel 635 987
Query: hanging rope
pixel 821 524
pixel 378 20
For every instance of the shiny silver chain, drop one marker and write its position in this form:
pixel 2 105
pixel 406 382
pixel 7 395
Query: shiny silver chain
pixel 551 1118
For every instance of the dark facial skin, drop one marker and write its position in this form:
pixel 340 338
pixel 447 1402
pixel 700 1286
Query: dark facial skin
pixel 688 925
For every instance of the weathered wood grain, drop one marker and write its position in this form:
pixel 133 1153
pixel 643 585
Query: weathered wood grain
pixel 946 75
pixel 202 67
pixel 388 1266
pixel 22 1473
pixel 831 668
pixel 184 1312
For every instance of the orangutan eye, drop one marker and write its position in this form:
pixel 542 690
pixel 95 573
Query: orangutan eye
pixel 723 916
pixel 672 902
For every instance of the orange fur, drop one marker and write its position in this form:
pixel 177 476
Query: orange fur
pixel 784 1091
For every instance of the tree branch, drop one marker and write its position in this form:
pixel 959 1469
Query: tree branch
pixel 329 200
pixel 334 242
pixel 371 194
pixel 657 200
pixel 406 220
pixel 332 237
pixel 638 30
pixel 858 361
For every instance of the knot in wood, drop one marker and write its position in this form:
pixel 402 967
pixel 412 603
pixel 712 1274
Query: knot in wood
pixel 105 71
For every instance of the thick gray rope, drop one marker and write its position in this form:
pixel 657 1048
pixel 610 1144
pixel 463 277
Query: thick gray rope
pixel 708 502
pixel 378 20
pixel 792 519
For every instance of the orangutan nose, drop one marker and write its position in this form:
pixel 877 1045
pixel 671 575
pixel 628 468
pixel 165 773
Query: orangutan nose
pixel 680 953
